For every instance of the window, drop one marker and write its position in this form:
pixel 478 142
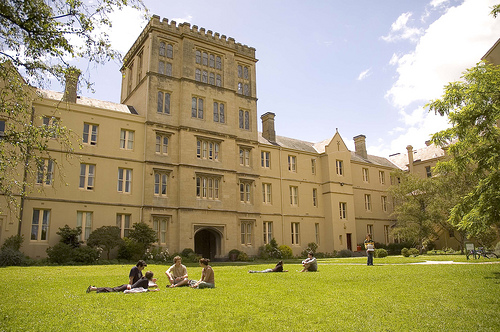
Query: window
pixel 245 73
pixel 162 49
pixel 265 159
pixel 365 175
pixel 294 195
pixel 45 174
pixel 240 88
pixel 84 220
pixel 219 115
pixel 87 175
pixel 2 128
pixel 212 61
pixel 198 57
pixel 339 167
pixel 161 144
pixel 168 69
pixel 316 228
pixel 211 79
pixel 245 191
pixel 246 233
pixel 207 149
pixel 197 108
pixel 170 51
pixel 266 193
pixel 218 80
pixel 139 67
pixel 197 75
pixel 123 223
pixel 218 63
pixel 384 203
pixel 267 227
pixel 369 230
pixel 126 139
pixel 244 157
pixel 161 183
pixel 240 71
pixel 124 180
pixel 40 225
pixel 90 133
pixel 246 90
pixel 368 204
pixel 315 197
pixel 244 119
pixel 163 103
pixel 205 59
pixel 204 76
pixel 161 67
pixel 313 166
pixel 386 234
pixel 51 124
pixel 295 233
pixel 343 210
pixel 381 177
pixel 292 163
pixel 160 227
pixel 207 187
pixel 428 171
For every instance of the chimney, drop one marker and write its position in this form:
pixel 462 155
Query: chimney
pixel 410 158
pixel 268 131
pixel 360 146
pixel 72 75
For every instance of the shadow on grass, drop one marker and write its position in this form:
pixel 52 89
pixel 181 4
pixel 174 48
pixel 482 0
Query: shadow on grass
pixel 496 275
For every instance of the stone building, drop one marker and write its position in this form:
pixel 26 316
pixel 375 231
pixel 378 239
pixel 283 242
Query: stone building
pixel 182 153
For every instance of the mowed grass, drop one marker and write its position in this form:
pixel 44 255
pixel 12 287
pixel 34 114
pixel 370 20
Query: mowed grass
pixel 345 295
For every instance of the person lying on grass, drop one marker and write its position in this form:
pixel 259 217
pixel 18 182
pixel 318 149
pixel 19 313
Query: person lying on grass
pixel 141 283
pixel 207 276
pixel 277 268
pixel 177 273
pixel 310 264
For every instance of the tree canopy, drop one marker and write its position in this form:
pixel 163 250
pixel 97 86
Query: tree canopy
pixel 39 39
pixel 473 144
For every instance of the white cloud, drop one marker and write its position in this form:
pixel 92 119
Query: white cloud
pixel 454 42
pixel 186 19
pixel 364 74
pixel 127 24
pixel 438 3
pixel 401 30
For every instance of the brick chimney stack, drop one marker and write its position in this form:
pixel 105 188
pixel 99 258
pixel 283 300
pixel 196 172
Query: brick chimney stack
pixel 268 131
pixel 71 87
pixel 360 146
pixel 410 158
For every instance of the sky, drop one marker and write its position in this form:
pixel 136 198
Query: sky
pixel 359 66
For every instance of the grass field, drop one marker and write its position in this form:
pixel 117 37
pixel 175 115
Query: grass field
pixel 345 295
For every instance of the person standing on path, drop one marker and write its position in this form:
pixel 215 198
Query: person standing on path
pixel 370 249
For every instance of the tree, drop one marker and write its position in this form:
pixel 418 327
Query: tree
pixel 415 218
pixel 107 237
pixel 38 39
pixel 473 108
pixel 70 236
pixel 143 234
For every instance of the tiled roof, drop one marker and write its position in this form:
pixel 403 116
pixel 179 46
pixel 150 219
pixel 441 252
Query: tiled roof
pixel 429 152
pixel 90 102
pixel 375 160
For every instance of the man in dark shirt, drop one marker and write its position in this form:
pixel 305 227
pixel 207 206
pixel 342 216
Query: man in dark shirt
pixel 136 272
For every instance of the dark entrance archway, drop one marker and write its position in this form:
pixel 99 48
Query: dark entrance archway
pixel 207 243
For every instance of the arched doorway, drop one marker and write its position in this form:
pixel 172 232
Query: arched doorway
pixel 207 243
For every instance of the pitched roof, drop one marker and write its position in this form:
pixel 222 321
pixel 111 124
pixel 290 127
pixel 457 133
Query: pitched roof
pixel 90 102
pixel 426 153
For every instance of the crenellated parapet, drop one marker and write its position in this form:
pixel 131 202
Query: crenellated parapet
pixel 185 29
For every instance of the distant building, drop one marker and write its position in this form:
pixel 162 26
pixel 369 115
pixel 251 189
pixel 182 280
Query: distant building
pixel 182 153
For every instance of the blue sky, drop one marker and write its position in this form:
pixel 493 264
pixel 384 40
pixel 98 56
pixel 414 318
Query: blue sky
pixel 364 67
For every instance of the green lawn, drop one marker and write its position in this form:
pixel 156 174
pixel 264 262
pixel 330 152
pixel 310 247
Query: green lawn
pixel 345 295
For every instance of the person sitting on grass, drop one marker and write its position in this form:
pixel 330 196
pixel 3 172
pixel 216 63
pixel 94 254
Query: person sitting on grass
pixel 141 283
pixel 310 264
pixel 177 273
pixel 136 272
pixel 207 276
pixel 277 268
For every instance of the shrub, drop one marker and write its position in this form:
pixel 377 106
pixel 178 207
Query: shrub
pixel 311 247
pixel 405 252
pixel 11 257
pixel 233 254
pixel 193 257
pixel 130 250
pixel 70 236
pixel 270 250
pixel 143 234
pixel 345 253
pixel 380 253
pixel 286 251
pixel 395 248
pixel 13 242
pixel 186 252
pixel 107 237
pixel 60 253
pixel 413 252
pixel 86 255
pixel 497 249
pixel 243 257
